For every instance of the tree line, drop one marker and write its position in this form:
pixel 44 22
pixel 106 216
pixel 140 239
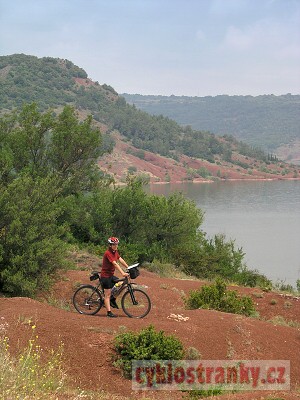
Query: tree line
pixel 265 121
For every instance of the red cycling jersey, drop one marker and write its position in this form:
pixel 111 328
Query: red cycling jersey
pixel 108 268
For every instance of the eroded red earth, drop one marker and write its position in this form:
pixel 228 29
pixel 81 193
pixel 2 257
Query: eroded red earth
pixel 88 339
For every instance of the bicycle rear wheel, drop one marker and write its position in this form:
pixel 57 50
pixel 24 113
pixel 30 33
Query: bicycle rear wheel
pixel 87 300
pixel 136 306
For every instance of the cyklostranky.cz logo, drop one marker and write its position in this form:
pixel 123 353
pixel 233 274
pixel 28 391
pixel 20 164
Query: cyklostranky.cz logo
pixel 210 374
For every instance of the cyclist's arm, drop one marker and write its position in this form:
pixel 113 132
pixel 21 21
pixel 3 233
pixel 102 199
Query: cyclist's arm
pixel 123 262
pixel 119 268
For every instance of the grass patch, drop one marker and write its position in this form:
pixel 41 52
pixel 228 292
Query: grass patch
pixel 191 353
pixel 59 303
pixel 25 320
pixel 166 270
pixel 164 286
pixel 27 376
pixel 258 295
pixel 32 375
pixel 280 320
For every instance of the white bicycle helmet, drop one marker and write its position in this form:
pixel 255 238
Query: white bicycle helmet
pixel 113 240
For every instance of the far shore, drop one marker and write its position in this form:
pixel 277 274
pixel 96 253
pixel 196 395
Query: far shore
pixel 224 180
pixel 209 181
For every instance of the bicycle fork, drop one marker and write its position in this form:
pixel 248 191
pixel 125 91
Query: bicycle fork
pixel 134 302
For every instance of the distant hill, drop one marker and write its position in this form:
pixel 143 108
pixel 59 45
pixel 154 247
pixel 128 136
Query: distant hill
pixel 133 135
pixel 266 121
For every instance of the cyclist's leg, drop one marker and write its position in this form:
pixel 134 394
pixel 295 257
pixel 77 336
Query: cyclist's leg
pixel 107 293
pixel 107 284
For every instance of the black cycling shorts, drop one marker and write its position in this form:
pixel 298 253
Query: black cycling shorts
pixel 109 283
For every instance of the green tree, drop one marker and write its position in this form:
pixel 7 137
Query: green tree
pixel 41 144
pixel 30 244
pixel 74 149
pixel 7 171
pixel 209 258
pixel 129 207
pixel 170 222
pixel 28 140
pixel 45 161
pixel 220 257
pixel 88 216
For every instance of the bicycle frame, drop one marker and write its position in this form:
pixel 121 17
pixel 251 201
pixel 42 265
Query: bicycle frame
pixel 126 284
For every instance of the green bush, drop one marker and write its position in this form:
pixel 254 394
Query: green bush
pixel 217 297
pixel 284 287
pixel 252 278
pixel 145 345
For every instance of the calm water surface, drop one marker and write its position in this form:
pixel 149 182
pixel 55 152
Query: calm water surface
pixel 262 217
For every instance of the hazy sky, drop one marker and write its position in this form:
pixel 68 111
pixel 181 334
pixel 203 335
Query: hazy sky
pixel 180 47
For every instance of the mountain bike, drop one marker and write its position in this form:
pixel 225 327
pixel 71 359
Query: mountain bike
pixel 89 299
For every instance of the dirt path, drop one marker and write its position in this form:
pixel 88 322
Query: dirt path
pixel 88 339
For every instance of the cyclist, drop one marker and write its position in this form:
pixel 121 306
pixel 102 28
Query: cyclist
pixel 111 260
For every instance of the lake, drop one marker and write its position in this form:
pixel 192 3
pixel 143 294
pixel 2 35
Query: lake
pixel 263 217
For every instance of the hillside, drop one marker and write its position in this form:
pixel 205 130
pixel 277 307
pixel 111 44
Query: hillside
pixel 159 169
pixel 154 146
pixel 268 121
pixel 216 335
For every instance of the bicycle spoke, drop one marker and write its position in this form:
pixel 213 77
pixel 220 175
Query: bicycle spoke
pixel 87 300
pixel 138 307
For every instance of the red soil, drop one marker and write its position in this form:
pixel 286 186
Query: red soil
pixel 216 335
pixel 162 169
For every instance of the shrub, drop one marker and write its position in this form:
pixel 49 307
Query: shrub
pixel 192 353
pixel 132 169
pixel 145 345
pixel 216 297
pixel 284 287
pixel 288 304
pixel 252 278
pixel 203 172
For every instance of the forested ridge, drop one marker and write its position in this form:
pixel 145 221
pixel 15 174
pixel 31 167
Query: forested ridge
pixel 265 121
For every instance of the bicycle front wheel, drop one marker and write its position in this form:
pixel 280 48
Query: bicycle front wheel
pixel 136 304
pixel 87 300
